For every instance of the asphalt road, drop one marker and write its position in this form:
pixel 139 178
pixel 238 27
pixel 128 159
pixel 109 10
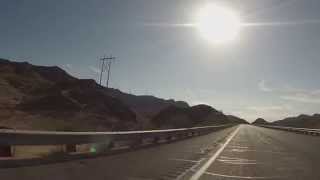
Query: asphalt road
pixel 243 152
pixel 260 153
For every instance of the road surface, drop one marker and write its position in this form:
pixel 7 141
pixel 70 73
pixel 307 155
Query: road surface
pixel 242 152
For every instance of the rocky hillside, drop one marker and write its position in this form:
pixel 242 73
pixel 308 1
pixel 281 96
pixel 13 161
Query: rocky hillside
pixel 145 107
pixel 302 121
pixel 199 115
pixel 48 98
pixel 36 97
pixel 237 120
pixel 260 121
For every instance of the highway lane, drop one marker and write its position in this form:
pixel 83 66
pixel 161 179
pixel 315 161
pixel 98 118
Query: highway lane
pixel 243 152
pixel 167 161
pixel 260 153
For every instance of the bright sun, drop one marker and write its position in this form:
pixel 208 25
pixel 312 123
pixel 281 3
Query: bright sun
pixel 218 24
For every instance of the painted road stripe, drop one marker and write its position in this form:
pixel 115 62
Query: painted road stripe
pixel 204 168
pixel 242 177
pixel 185 160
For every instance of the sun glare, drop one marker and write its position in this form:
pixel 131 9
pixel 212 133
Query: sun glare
pixel 218 24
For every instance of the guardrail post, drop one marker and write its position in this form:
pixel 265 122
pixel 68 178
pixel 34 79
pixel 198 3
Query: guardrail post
pixel 71 148
pixel 5 151
pixel 156 140
pixel 136 142
pixel 169 138
pixel 111 145
pixel 195 133
pixel 180 135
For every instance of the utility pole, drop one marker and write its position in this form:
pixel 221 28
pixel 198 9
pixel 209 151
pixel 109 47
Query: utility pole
pixel 102 68
pixel 106 61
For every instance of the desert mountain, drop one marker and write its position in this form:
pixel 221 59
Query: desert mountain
pixel 199 115
pixel 36 97
pixel 301 121
pixel 48 98
pixel 260 121
pixel 236 120
pixel 147 105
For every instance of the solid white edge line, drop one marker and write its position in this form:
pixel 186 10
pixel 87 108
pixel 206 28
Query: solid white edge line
pixel 203 169
pixel 243 177
pixel 185 160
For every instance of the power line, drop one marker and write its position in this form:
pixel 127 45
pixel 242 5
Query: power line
pixel 106 61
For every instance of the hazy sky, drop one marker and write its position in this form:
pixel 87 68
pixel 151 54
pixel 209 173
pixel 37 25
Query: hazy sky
pixel 269 71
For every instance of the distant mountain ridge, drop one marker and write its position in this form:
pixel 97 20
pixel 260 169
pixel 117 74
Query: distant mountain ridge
pixel 237 120
pixel 301 121
pixel 199 115
pixel 143 104
pixel 48 98
pixel 260 121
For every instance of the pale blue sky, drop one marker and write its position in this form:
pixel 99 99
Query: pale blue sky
pixel 270 71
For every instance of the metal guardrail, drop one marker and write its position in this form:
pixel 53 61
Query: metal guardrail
pixel 25 137
pixel 21 147
pixel 315 132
